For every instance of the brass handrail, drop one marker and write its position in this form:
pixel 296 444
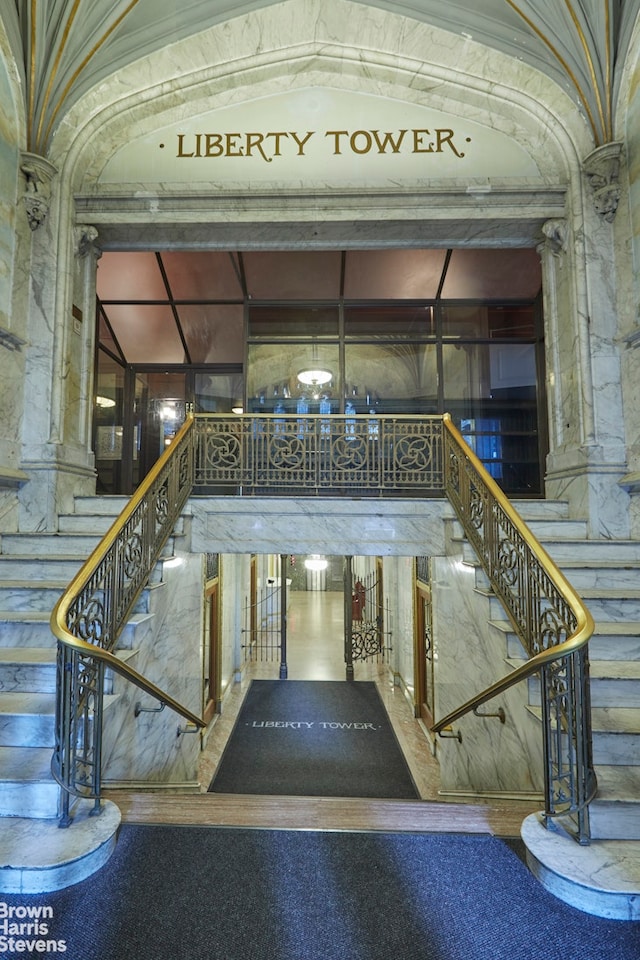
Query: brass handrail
pixel 87 634
pixel 558 610
pixel 585 625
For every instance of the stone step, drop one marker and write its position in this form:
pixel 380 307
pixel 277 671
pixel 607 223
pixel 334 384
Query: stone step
pixel 51 544
pixel 604 605
pixel 27 669
pixel 33 669
pixel 612 640
pixel 612 604
pixel 601 878
pixel 98 523
pixel 27 719
pixel 567 550
pixel 544 528
pixel 536 509
pixel 26 782
pixel 603 574
pixel 31 629
pixel 615 813
pixel 24 596
pixel 107 506
pixel 614 683
pixel 61 568
pixel 616 737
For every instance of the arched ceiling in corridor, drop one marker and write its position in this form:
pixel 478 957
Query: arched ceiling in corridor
pixel 65 47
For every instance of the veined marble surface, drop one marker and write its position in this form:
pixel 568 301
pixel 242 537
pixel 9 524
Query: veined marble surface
pixel 319 525
pixel 470 656
pixel 147 748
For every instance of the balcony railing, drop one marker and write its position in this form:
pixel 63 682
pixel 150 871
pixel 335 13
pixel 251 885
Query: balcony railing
pixel 309 455
pixel 337 455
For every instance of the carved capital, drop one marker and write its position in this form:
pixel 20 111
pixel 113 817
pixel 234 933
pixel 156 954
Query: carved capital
pixel 86 241
pixel 602 169
pixel 555 237
pixel 38 174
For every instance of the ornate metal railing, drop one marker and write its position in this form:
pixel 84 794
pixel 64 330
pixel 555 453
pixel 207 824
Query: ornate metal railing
pixel 550 620
pixel 329 455
pixel 90 615
pixel 333 455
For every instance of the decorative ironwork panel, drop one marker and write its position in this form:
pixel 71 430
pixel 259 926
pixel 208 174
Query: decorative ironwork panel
pixel 543 619
pixel 368 638
pixel 262 625
pixel 304 454
pixel 98 613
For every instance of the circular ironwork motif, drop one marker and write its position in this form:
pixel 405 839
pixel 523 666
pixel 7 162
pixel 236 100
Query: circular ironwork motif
pixel 223 451
pixel 413 453
pixel 349 453
pixel 285 453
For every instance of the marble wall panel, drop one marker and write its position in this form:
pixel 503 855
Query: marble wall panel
pixel 492 758
pixel 328 526
pixel 147 748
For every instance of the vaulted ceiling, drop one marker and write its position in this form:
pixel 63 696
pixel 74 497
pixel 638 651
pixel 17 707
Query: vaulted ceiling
pixel 64 47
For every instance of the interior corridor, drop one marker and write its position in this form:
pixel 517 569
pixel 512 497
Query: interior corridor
pixel 315 651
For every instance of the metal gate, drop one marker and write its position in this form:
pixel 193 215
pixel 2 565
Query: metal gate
pixel 264 621
pixel 366 614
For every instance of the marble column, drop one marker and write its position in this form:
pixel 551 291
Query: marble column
pixel 56 282
pixel 587 439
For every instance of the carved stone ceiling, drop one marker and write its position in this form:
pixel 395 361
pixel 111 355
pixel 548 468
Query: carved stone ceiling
pixel 64 47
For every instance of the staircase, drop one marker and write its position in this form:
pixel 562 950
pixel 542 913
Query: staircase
pixel 34 571
pixel 606 574
pixel 35 568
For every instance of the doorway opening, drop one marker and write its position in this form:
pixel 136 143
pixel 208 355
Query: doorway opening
pixel 314 617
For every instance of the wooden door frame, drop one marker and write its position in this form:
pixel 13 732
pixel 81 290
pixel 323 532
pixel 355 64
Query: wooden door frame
pixel 422 708
pixel 212 600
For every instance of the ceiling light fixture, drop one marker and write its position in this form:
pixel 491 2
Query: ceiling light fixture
pixel 316 562
pixel 315 377
pixel 105 402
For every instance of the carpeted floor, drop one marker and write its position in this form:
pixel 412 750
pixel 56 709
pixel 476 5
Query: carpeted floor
pixel 308 738
pixel 205 893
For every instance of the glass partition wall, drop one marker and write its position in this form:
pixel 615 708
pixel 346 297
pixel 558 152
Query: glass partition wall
pixel 389 332
pixel 480 362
